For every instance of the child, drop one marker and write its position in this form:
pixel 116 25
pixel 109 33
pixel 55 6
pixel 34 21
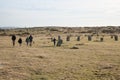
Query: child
pixel 20 41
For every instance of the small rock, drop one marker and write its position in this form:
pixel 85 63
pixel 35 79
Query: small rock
pixel 74 47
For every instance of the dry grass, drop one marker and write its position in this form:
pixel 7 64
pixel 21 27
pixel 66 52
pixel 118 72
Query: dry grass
pixel 42 61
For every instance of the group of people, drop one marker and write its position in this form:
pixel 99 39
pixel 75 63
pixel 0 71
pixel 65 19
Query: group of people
pixel 57 42
pixel 28 40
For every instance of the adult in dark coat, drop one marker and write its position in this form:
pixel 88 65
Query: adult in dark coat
pixel 27 40
pixel 31 40
pixel 13 39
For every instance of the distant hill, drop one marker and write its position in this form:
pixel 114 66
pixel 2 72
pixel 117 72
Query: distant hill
pixel 7 27
pixel 59 30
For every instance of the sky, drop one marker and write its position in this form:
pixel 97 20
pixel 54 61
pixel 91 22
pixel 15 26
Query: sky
pixel 35 13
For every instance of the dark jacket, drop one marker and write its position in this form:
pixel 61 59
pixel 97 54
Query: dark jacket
pixel 13 37
pixel 20 41
pixel 30 38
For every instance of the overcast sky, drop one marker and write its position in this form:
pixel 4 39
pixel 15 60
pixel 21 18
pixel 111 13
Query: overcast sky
pixel 25 13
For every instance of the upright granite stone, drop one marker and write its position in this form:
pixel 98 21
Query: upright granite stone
pixel 115 37
pixel 78 38
pixel 68 38
pixel 89 37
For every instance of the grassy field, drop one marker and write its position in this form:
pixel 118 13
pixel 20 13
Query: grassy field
pixel 92 61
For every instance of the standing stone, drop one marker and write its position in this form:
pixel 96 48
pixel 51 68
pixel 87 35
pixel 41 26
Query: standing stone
pixel 68 38
pixel 111 36
pixel 101 39
pixel 78 38
pixel 116 38
pixel 89 38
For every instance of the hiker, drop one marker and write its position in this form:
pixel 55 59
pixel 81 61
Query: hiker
pixel 54 41
pixel 13 39
pixel 60 41
pixel 27 40
pixel 20 41
pixel 31 39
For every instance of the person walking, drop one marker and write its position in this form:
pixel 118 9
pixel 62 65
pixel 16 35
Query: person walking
pixel 20 41
pixel 27 41
pixel 54 41
pixel 13 39
pixel 31 39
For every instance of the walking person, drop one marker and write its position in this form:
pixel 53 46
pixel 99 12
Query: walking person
pixel 54 41
pixel 13 39
pixel 20 41
pixel 31 39
pixel 27 41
